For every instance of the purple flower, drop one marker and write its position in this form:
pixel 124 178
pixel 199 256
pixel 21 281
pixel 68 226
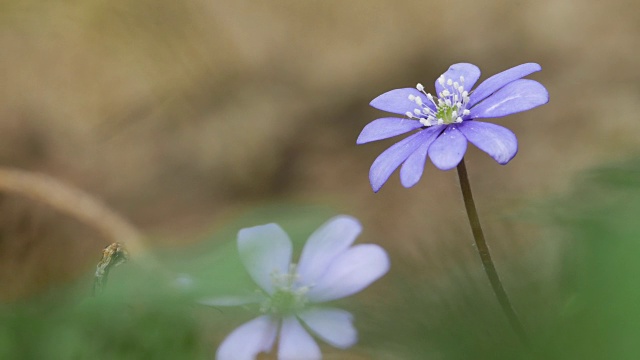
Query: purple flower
pixel 445 123
pixel 329 269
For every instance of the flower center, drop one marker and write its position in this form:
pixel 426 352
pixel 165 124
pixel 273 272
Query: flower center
pixel 450 106
pixel 288 298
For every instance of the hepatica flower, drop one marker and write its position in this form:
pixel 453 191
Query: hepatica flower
pixel 290 295
pixel 444 123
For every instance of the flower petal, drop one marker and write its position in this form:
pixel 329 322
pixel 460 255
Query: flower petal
pixel 470 72
pixel 263 250
pixel 499 142
pixel 248 340
pixel 385 128
pixel 448 149
pixel 412 169
pixel 385 164
pixel 296 343
pixel 351 272
pixel 335 326
pixel 325 244
pixel 499 80
pixel 397 101
pixel 231 300
pixel 517 96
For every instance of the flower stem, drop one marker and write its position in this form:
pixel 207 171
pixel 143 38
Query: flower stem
pixel 485 256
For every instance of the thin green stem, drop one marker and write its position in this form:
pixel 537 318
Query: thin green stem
pixel 485 256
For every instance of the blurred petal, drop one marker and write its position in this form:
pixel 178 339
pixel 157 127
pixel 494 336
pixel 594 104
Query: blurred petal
pixel 248 340
pixel 499 80
pixel 517 96
pixel 499 142
pixel 296 343
pixel 448 149
pixel 351 272
pixel 385 128
pixel 412 169
pixel 263 250
pixel 397 101
pixel 231 300
pixel 470 72
pixel 335 326
pixel 385 164
pixel 325 244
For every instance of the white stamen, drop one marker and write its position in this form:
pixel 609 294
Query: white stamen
pixel 430 97
pixel 450 103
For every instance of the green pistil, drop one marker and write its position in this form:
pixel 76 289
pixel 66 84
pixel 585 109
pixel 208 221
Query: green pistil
pixel 288 298
pixel 285 302
pixel 446 114
pixel 450 106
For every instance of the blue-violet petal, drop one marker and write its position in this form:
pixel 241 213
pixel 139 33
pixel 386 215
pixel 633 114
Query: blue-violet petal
pixel 497 81
pixel 397 101
pixel 232 300
pixel 517 96
pixel 351 272
pixel 470 72
pixel 447 150
pixel 264 249
pixel 324 245
pixel 499 142
pixel 335 326
pixel 412 169
pixel 387 162
pixel 385 128
pixel 248 340
pixel 296 343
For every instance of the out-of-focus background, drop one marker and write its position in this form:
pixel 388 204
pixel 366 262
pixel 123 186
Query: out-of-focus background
pixel 185 116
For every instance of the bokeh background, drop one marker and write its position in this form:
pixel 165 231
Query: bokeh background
pixel 193 119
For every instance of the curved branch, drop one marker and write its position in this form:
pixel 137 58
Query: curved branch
pixel 75 203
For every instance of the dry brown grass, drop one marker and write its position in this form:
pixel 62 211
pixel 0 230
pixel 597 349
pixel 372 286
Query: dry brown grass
pixel 179 114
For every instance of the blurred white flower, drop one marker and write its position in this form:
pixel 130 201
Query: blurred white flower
pixel 329 269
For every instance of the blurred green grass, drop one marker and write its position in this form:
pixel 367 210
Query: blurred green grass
pixel 594 313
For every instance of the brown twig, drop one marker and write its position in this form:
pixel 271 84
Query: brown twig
pixel 75 203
